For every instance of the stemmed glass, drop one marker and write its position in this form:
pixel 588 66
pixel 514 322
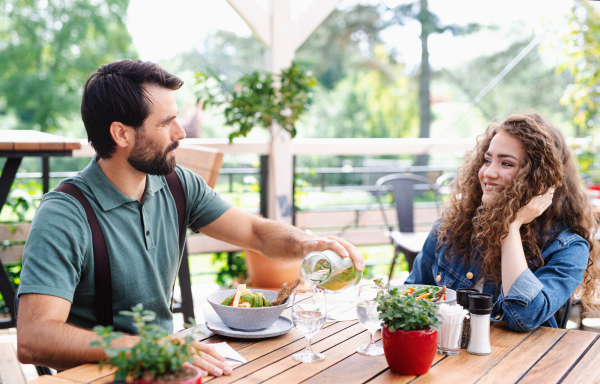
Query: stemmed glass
pixel 308 315
pixel 368 317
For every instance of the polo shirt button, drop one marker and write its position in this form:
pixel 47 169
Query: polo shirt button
pixel 147 233
pixel 438 278
pixel 469 275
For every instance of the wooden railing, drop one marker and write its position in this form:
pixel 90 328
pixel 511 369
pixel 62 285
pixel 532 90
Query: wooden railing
pixel 364 227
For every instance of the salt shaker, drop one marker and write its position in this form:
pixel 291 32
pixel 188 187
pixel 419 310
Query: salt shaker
pixel 462 298
pixel 480 306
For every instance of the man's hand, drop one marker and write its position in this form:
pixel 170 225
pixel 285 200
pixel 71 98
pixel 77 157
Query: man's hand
pixel 336 244
pixel 208 359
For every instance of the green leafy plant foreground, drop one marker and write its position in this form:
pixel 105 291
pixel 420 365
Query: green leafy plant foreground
pixel 155 353
pixel 405 312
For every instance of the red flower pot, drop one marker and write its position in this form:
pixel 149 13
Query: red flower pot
pixel 194 380
pixel 409 353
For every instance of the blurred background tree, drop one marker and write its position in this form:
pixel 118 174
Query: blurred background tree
pixel 581 59
pixel 47 49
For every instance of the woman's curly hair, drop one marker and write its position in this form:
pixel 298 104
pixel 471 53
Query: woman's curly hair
pixel 474 231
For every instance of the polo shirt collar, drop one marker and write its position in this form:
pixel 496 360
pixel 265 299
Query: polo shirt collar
pixel 107 195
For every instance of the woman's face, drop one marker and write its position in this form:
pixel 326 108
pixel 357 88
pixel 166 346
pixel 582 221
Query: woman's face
pixel 502 162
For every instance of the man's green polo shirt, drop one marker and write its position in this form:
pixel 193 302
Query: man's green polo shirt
pixel 142 242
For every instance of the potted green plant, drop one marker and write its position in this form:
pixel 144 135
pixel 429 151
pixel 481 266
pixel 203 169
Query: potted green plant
pixel 409 332
pixel 260 99
pixel 155 358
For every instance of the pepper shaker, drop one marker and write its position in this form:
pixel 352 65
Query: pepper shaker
pixel 462 298
pixel 480 306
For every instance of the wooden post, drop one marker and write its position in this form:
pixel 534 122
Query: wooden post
pixel 283 36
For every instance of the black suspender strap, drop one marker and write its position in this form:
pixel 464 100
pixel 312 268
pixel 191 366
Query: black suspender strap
pixel 176 188
pixel 101 261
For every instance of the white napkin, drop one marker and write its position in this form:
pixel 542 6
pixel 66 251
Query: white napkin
pixel 225 350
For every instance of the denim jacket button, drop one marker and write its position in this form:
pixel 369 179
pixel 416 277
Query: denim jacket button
pixel 438 278
pixel 469 275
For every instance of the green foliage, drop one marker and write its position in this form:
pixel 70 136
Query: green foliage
pixel 256 99
pixel 155 353
pixel 377 102
pixel 20 202
pixel 532 84
pixel 47 49
pixel 406 313
pixel 233 265
pixel 14 276
pixel 344 44
pixel 581 58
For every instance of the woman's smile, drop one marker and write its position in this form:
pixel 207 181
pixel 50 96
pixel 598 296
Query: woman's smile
pixel 501 163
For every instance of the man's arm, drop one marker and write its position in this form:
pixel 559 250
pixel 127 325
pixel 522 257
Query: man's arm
pixel 273 239
pixel 44 338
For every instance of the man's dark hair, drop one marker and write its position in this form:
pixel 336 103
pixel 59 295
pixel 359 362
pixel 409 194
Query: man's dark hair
pixel 115 92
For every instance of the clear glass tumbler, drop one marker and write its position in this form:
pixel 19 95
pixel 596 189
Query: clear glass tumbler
pixel 308 315
pixel 368 317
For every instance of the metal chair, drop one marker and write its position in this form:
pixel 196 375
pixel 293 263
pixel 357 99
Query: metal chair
pixel 562 315
pixel 405 240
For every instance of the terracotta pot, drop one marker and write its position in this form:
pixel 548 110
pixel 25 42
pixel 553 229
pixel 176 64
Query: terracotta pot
pixel 194 380
pixel 409 353
pixel 270 274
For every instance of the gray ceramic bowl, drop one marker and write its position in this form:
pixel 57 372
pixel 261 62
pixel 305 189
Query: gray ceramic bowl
pixel 450 293
pixel 246 319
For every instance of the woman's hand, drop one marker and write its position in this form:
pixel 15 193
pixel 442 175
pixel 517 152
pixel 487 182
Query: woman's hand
pixel 534 208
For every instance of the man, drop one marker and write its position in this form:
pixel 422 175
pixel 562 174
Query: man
pixel 130 115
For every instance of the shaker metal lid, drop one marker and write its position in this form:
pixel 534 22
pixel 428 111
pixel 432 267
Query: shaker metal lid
pixel 462 296
pixel 480 303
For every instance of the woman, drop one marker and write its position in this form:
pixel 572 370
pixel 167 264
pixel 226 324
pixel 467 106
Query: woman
pixel 518 225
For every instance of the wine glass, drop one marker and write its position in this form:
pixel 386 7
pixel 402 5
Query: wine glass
pixel 308 315
pixel 368 317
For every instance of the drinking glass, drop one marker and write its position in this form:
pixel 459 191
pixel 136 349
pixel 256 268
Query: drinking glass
pixel 308 315
pixel 368 317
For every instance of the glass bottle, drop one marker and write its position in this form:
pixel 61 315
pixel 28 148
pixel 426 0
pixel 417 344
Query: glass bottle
pixel 480 305
pixel 330 271
pixel 462 299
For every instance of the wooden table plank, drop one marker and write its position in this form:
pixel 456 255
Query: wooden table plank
pixel 270 364
pixel 54 380
pixel 561 358
pixel 300 372
pixel 514 365
pixel 388 377
pixel 353 370
pixel 30 140
pixel 465 368
pixel 86 373
pixel 587 370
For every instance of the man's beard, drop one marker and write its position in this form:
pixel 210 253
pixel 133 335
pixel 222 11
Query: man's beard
pixel 147 158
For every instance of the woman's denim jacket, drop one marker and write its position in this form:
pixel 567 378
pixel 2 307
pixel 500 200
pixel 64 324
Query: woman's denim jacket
pixel 534 296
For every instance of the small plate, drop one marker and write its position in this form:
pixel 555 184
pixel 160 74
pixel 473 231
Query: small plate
pixel 282 325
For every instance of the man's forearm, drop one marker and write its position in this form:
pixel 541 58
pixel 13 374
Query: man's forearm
pixel 281 241
pixel 58 345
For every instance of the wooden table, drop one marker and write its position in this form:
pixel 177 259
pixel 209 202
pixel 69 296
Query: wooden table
pixel 545 355
pixel 14 145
